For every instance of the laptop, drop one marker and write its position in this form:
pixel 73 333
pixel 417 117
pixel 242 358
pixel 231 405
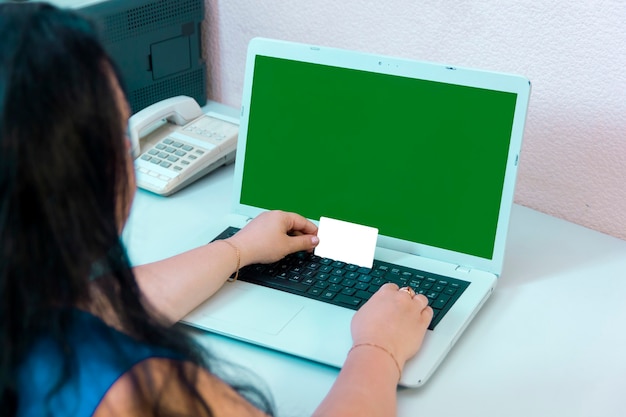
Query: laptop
pixel 427 153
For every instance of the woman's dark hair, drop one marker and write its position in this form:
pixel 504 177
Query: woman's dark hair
pixel 64 183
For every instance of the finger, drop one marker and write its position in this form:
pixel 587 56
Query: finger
pixel 422 300
pixel 303 242
pixel 427 314
pixel 408 290
pixel 298 223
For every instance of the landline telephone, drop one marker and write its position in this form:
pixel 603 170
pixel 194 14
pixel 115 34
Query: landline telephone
pixel 180 144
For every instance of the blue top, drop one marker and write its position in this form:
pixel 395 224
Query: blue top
pixel 102 355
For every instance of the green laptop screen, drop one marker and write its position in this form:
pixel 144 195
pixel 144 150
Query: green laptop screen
pixel 420 160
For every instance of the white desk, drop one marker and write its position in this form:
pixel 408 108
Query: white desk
pixel 551 341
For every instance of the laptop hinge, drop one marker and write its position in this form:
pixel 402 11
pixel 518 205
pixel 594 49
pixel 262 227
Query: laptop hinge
pixel 463 269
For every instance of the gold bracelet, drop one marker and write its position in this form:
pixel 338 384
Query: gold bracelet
pixel 384 350
pixel 233 279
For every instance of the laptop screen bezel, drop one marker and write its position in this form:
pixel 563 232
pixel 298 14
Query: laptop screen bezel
pixel 408 68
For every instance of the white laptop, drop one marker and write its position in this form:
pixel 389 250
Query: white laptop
pixel 427 153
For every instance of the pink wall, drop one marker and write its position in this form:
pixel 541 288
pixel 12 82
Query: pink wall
pixel 573 162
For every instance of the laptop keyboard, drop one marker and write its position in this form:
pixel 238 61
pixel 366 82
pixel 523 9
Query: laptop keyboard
pixel 347 285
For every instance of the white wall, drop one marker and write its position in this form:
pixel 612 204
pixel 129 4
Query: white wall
pixel 573 162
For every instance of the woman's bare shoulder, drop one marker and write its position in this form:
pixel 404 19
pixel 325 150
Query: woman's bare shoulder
pixel 157 381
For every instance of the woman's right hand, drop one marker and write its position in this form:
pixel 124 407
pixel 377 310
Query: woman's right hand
pixel 273 235
pixel 393 320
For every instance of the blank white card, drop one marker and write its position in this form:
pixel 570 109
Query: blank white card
pixel 347 242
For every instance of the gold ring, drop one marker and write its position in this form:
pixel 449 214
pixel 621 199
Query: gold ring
pixel 408 290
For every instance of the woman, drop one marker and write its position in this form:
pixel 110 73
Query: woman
pixel 82 332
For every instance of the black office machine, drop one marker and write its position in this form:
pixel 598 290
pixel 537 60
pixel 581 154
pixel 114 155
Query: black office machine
pixel 157 45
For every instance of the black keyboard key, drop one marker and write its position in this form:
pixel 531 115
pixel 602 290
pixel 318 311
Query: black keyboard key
pixel 335 288
pixel 322 276
pixel 378 281
pixel 334 279
pixel 363 294
pixel 373 288
pixel 348 300
pixel 365 278
pixel 431 295
pixel 396 279
pixel 348 291
pixel 440 302
pixel 315 291
pixel 295 278
pixel 348 282
pixel 361 286
pixel 328 295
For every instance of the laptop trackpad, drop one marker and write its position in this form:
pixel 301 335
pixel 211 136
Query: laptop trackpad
pixel 265 311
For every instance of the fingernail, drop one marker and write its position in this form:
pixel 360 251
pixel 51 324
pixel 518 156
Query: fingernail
pixel 315 240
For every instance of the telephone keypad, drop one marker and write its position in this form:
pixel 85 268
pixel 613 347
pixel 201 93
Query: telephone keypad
pixel 173 154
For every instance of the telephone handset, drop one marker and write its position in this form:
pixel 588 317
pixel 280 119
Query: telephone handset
pixel 181 144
